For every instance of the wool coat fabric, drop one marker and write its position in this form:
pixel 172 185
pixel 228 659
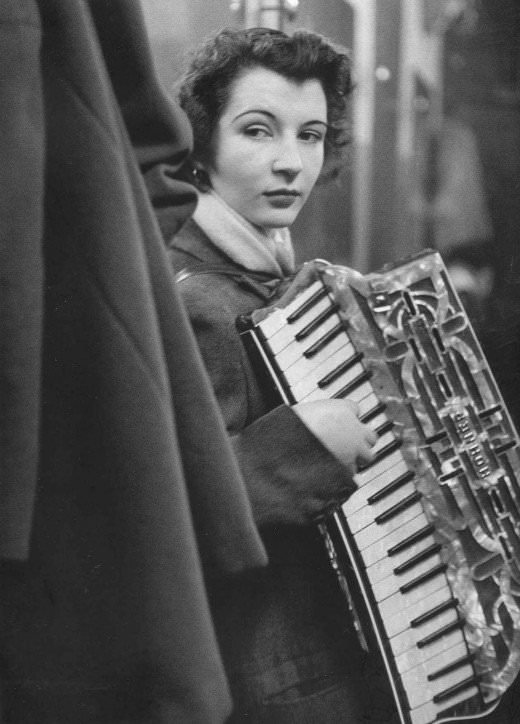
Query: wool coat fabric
pixel 119 492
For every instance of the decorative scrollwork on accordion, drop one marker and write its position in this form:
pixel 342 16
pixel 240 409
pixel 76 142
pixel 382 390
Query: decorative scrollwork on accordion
pixel 429 545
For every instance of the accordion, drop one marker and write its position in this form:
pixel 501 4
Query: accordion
pixel 428 547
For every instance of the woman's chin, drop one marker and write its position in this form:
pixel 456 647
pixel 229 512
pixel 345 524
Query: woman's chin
pixel 275 219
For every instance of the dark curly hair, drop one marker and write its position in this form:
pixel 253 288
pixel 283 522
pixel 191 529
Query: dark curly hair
pixel 204 89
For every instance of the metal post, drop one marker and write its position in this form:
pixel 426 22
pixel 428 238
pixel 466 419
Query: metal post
pixel 364 55
pixel 265 13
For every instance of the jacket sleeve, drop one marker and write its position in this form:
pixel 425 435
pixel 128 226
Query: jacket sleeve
pixel 275 450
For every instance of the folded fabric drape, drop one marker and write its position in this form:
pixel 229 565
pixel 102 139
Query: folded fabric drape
pixel 119 493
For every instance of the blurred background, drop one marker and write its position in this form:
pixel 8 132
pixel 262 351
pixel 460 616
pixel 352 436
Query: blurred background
pixel 435 154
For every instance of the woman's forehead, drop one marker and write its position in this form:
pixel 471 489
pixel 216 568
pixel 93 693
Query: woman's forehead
pixel 262 89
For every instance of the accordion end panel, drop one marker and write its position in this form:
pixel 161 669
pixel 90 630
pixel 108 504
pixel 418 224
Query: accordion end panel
pixel 457 439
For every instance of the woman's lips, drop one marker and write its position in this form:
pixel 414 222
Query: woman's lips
pixel 282 192
pixel 282 198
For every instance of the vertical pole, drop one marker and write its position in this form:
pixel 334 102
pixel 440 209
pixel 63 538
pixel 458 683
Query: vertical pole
pixel 271 14
pixel 410 193
pixel 251 13
pixel 374 186
pixel 384 241
pixel 422 51
pixel 364 54
pixel 267 13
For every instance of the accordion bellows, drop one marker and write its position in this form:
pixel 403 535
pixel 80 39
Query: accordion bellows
pixel 428 547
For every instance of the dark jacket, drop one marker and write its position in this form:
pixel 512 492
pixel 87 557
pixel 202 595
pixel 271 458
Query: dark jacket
pixel 285 631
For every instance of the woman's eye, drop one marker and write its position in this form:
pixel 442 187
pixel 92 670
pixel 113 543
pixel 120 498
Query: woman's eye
pixel 257 132
pixel 312 136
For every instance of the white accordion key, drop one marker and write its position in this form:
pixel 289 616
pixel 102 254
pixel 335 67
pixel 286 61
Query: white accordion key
pixel 286 335
pixel 367 402
pixel 412 530
pixel 364 516
pixel 408 558
pixel 278 317
pixel 383 441
pixel 400 619
pixel 273 323
pixel 440 681
pixel 379 468
pixel 383 588
pixel 294 354
pixel 407 641
pixel 305 376
pixel 312 382
pixel 421 691
pixel 415 658
pixel 362 394
pixel 426 640
pixel 430 711
pixel 391 479
pixel 375 531
pixel 403 612
pixel 379 421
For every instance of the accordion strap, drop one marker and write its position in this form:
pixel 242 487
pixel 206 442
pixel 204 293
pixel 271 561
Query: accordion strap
pixel 264 285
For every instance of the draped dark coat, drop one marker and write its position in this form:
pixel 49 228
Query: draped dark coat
pixel 119 493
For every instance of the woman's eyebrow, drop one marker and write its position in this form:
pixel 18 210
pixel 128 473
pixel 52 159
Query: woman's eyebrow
pixel 254 110
pixel 322 123
pixel 263 112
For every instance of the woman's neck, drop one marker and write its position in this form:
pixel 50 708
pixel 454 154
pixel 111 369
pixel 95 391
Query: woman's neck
pixel 258 249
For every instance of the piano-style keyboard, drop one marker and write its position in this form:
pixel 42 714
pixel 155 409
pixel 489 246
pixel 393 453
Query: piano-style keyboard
pixel 392 343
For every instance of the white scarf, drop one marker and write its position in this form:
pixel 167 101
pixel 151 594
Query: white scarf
pixel 269 251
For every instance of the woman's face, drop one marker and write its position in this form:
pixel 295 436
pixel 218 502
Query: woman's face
pixel 267 149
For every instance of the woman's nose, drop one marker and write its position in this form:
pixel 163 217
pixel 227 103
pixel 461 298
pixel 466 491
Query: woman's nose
pixel 288 159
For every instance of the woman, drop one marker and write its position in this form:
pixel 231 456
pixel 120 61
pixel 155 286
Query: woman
pixel 269 118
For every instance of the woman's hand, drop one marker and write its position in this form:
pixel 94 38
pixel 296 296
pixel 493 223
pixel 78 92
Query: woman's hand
pixel 336 425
